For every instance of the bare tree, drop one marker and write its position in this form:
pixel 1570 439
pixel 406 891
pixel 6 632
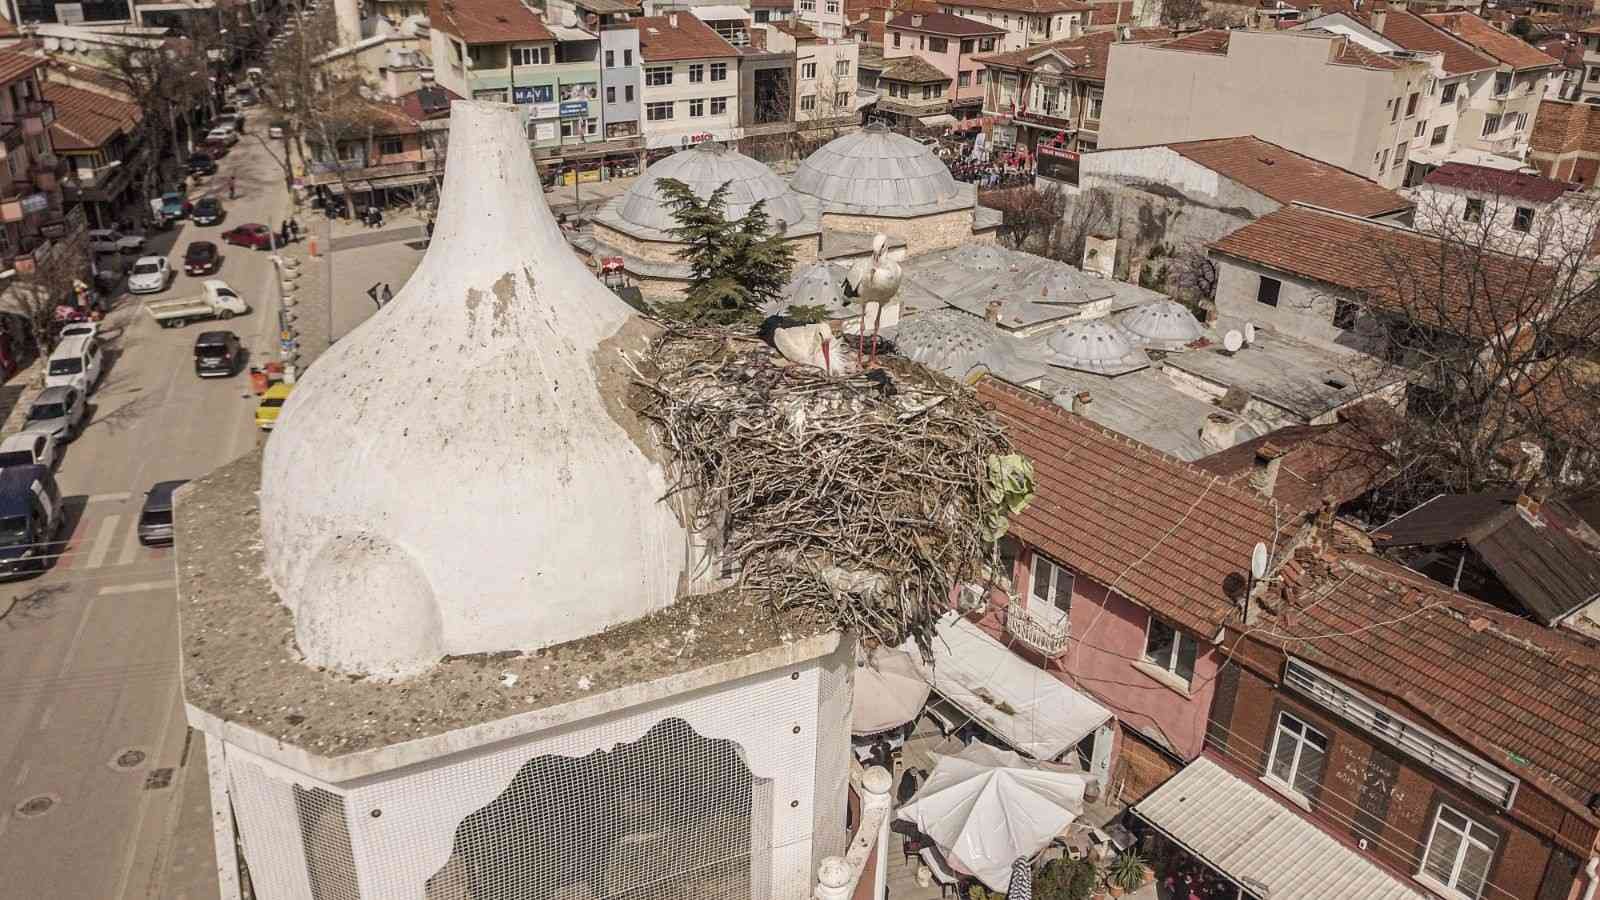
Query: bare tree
pixel 1031 216
pixel 1177 14
pixel 167 80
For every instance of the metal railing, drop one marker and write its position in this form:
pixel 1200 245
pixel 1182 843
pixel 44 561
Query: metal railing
pixel 1046 640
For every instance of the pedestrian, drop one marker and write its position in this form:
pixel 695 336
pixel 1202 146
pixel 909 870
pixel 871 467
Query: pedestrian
pixel 283 234
pixel 294 229
pixel 230 187
pixel 377 217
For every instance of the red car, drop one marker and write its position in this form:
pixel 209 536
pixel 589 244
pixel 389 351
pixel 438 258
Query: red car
pixel 252 235
pixel 201 258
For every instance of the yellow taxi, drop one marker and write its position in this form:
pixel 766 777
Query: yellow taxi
pixel 271 404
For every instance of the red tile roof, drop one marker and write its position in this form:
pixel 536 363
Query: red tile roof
pixel 1163 533
pixel 662 41
pixel 942 23
pixel 1114 13
pixel 1351 53
pixel 488 21
pixel 1524 695
pixel 1211 40
pixel 1534 188
pixel 913 69
pixel 14 65
pixel 1288 177
pixel 1339 461
pixel 1039 7
pixel 1512 51
pixel 85 119
pixel 1462 290
pixel 1413 32
pixel 1088 52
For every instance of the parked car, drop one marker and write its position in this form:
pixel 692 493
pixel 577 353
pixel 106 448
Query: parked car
pixel 271 405
pixel 75 363
pixel 31 519
pixel 155 519
pixel 253 234
pixel 80 329
pixel 215 149
pixel 207 211
pixel 201 258
pixel 174 205
pixel 217 354
pixel 277 129
pixel 57 411
pixel 225 135
pixel 202 164
pixel 28 448
pixel 110 240
pixel 218 301
pixel 150 275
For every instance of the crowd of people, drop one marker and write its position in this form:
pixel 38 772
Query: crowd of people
pixel 1006 168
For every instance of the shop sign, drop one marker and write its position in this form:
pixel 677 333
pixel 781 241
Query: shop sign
pixel 574 109
pixel 533 93
pixel 1057 164
pixel 35 202
pixel 544 111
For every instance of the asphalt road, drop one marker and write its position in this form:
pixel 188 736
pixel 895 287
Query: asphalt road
pixel 90 708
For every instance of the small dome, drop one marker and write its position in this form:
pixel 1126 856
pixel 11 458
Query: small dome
pixel 819 284
pixel 1166 323
pixel 877 172
pixel 982 258
pixel 1064 284
pixel 955 343
pixel 704 169
pixel 1096 345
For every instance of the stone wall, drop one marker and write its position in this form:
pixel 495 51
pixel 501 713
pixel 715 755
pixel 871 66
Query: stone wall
pixel 922 234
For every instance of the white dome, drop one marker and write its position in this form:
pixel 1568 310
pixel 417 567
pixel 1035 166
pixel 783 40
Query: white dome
pixel 1064 284
pixel 1096 345
pixel 876 172
pixel 956 343
pixel 457 474
pixel 705 168
pixel 1165 323
pixel 819 284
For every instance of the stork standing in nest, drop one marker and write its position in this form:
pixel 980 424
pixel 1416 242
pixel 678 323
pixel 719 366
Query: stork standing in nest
pixel 875 279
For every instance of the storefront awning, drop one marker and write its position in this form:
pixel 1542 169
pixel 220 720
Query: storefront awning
pixel 940 119
pixel 1259 842
pixel 1020 703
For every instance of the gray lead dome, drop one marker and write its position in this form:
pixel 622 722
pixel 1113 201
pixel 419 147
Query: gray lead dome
pixel 704 169
pixel 877 172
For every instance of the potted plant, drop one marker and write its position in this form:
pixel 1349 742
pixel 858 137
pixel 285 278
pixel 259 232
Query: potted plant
pixel 1126 873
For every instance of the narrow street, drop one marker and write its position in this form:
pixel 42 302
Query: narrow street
pixel 92 733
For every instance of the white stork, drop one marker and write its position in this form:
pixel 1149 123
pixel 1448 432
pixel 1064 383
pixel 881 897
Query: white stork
pixel 875 279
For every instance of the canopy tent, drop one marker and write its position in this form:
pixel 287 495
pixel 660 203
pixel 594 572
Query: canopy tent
pixel 889 691
pixel 1023 705
pixel 987 807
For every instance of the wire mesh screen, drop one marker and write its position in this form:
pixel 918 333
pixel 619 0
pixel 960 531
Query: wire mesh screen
pixel 833 753
pixel 265 811
pixel 330 861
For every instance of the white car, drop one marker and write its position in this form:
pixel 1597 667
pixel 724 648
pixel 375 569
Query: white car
pixel 150 275
pixel 110 240
pixel 223 134
pixel 75 363
pixel 81 329
pixel 28 448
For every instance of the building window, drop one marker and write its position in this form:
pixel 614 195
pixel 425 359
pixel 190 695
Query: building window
pixel 627 58
pixel 967 45
pixel 808 71
pixel 1267 291
pixel 697 108
pixel 964 79
pixel 697 73
pixel 896 36
pixel 719 71
pixel 391 146
pixel 530 56
pixel 985 45
pixel 831 7
pixel 1094 108
pixel 841 100
pixel 938 45
pixel 808 102
pixel 1411 104
pixel 1491 124
pixel 719 106
pixel 1439 135
pixel 611 59
pixel 656 76
pixel 658 112
pixel 1473 211
pixel 1522 122
pixel 1594 74
pixel 591 127
pixel 842 68
pixel 1298 752
pixel 1460 852
pixel 1399 155
pixel 1448 95
pixel 808 5
pixel 977 77
pixel 1345 313
pixel 1170 650
pixel 1421 127
pixel 1522 219
pixel 931 91
pixel 611 94
pixel 627 93
pixel 1394 110
pixel 569 128
pixel 1502 83
pixel 1049 591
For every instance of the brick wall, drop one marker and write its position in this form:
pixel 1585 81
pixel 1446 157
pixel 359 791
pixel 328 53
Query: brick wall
pixel 1370 792
pixel 1565 143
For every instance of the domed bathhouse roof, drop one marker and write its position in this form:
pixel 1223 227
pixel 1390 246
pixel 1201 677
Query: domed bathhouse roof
pixel 1163 324
pixel 1065 284
pixel 958 343
pixel 876 172
pixel 705 168
pixel 1096 345
pixel 819 284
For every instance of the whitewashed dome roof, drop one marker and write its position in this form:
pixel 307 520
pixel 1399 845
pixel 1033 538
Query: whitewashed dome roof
pixel 1096 345
pixel 877 172
pixel 459 474
pixel 1165 323
pixel 956 343
pixel 1065 284
pixel 704 168
pixel 819 284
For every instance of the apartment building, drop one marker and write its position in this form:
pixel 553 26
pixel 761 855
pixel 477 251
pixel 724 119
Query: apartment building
pixel 690 82
pixel 1054 93
pixel 619 80
pixel 1324 95
pixel 1026 22
pixel 867 17
pixel 37 229
pixel 950 44
pixel 1499 116
pixel 1514 212
pixel 826 73
pixel 1566 141
pixel 825 17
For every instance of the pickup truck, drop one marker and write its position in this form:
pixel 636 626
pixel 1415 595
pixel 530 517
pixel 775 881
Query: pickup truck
pixel 218 301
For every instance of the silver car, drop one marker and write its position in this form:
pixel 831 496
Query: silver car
pixel 57 411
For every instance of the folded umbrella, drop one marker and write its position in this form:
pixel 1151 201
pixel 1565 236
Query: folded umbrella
pixel 890 691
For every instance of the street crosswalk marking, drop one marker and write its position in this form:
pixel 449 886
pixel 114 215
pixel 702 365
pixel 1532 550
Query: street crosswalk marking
pixel 102 542
pixel 107 498
pixel 137 587
pixel 130 547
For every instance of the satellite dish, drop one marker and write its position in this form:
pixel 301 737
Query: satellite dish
pixel 1249 332
pixel 1258 561
pixel 1232 341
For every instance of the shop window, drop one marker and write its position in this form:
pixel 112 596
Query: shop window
pixel 1298 754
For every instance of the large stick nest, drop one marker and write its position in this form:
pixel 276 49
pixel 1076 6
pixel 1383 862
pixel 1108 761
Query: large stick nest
pixel 861 498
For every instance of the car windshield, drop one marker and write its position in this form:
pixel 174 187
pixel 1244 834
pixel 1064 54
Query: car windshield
pixel 146 269
pixel 156 517
pixel 211 350
pixel 198 252
pixel 16 458
pixel 71 366
pixel 271 403
pixel 13 529
pixel 43 412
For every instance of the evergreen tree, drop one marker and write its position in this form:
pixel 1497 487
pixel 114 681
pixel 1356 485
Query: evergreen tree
pixel 734 267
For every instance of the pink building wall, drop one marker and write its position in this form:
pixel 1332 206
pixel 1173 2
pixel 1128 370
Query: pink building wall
pixel 1104 658
pixel 952 62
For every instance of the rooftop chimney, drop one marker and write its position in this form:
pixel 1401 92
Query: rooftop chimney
pixel 1217 432
pixel 1379 15
pixel 1082 398
pixel 672 19
pixel 1264 475
pixel 991 312
pixel 1531 500
pixel 916 20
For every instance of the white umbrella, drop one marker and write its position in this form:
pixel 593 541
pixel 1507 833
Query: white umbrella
pixel 986 807
pixel 889 691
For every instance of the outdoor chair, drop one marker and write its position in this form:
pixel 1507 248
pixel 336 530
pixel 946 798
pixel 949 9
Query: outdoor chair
pixel 941 875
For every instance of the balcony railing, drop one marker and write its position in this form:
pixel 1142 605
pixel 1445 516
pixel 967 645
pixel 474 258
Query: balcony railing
pixel 1050 117
pixel 1046 640
pixel 37 116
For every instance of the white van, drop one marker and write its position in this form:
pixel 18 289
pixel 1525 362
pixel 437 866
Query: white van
pixel 75 364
